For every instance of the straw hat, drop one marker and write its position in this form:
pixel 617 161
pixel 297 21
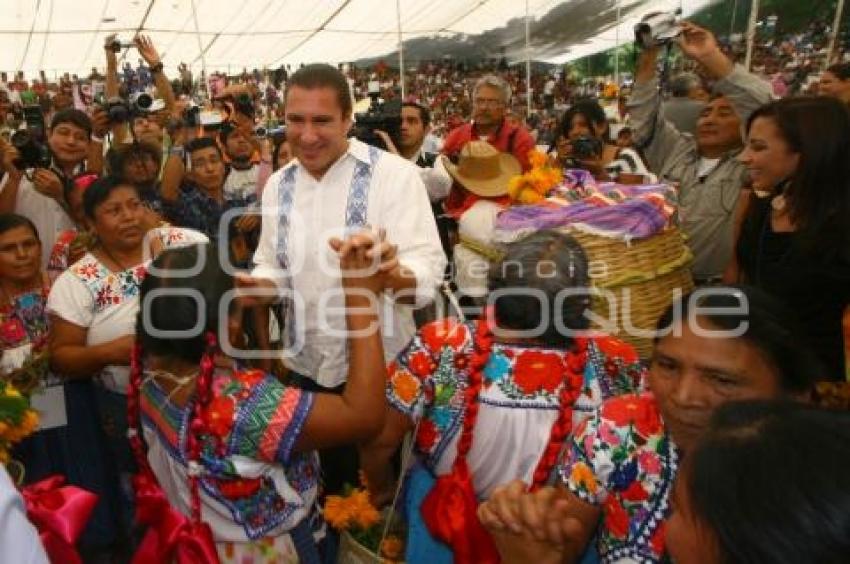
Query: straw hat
pixel 483 170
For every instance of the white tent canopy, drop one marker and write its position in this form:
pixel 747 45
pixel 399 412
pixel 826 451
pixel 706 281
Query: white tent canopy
pixel 60 36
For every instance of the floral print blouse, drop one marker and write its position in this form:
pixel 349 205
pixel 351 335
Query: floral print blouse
pixel 520 397
pixel 623 461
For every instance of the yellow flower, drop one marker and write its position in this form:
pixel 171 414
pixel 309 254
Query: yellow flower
pixel 392 548
pixel 12 392
pixel 582 475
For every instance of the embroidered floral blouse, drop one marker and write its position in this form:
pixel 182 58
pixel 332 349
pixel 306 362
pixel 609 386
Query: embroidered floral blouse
pixel 519 398
pixel 623 460
pixel 256 486
pixel 23 328
pixel 90 295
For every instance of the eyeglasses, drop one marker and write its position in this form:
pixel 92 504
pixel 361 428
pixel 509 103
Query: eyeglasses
pixel 487 102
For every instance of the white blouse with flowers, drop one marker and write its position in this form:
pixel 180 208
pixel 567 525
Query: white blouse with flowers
pixel 90 295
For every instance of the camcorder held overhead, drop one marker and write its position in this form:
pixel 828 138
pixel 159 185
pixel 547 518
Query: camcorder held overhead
pixel 379 116
pixel 121 110
pixel 659 28
pixel 115 45
pixel 31 142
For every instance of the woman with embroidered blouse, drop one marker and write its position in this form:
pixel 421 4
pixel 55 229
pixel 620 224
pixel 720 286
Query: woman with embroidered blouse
pixel 715 346
pixel 93 307
pixel 231 453
pixel 499 396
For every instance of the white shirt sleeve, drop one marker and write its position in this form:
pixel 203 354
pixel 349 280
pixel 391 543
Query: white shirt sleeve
pixel 71 300
pixel 410 225
pixel 19 540
pixel 265 257
pixel 437 180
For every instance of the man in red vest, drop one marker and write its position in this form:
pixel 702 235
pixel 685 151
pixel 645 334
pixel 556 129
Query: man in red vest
pixel 490 99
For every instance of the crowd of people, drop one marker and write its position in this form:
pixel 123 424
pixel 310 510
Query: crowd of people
pixel 238 321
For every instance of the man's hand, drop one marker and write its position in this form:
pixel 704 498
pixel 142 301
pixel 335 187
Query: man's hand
pixel 100 122
pixel 48 183
pixel 385 137
pixel 8 155
pixel 146 49
pixel 700 45
pixel 245 283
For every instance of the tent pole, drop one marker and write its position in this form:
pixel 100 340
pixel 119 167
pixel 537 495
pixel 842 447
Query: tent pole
pixel 751 33
pixel 198 35
pixel 617 49
pixel 400 47
pixel 527 62
pixel 836 24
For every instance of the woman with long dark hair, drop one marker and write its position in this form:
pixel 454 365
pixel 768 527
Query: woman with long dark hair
pixel 794 239
pixel 795 507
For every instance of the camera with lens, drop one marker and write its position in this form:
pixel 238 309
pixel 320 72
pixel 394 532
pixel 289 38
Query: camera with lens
pixel 120 110
pixel 263 132
pixel 377 117
pixel 31 142
pixel 584 147
pixel 656 29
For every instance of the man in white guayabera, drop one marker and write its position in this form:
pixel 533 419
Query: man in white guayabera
pixel 334 188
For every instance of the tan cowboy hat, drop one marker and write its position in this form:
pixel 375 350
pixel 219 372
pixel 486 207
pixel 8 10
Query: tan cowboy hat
pixel 483 170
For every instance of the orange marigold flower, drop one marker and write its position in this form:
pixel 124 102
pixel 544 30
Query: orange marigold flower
pixel 536 158
pixel 392 548
pixel 405 386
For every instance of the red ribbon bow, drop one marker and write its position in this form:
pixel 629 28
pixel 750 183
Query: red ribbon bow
pixel 450 511
pixel 171 536
pixel 60 514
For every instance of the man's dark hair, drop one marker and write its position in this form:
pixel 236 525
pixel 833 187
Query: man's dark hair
pixel 74 117
pixel 202 143
pixel 424 113
pixel 769 481
pixel 319 75
pixel 118 156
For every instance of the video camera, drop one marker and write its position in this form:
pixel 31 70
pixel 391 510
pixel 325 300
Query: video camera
pixel 121 110
pixel 116 45
pixel 659 28
pixel 378 116
pixel 31 142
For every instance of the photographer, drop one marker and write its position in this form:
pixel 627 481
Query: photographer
pixel 704 166
pixel 37 192
pixel 415 126
pixel 582 141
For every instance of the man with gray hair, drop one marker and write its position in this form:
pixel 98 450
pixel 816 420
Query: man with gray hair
pixel 686 102
pixel 490 101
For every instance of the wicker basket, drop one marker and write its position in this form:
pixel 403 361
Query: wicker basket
pixel 640 279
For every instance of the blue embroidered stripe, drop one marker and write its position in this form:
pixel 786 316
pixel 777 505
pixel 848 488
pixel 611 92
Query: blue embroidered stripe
pixel 293 430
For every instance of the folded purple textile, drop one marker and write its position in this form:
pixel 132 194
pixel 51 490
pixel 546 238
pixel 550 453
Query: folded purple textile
pixel 633 219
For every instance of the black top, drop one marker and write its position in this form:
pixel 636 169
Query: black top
pixel 815 288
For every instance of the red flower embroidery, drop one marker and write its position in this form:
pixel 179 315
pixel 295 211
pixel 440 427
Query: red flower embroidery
pixel 240 487
pixel 635 492
pixel 219 415
pixel 616 518
pixel 420 364
pixel 12 331
pixel 640 411
pixel 536 370
pixel 250 377
pixel 658 540
pixel 427 435
pixel 445 332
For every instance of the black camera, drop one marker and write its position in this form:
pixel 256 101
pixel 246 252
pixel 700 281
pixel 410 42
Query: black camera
pixel 31 142
pixel 33 154
pixel 586 147
pixel 120 110
pixel 379 117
